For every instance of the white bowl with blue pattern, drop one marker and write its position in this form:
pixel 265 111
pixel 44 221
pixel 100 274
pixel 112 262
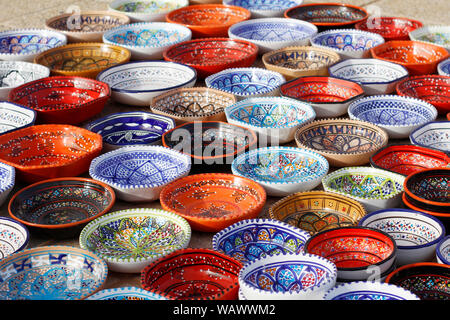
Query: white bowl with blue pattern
pixel 443 68
pixel 146 10
pixel 15 116
pixel 434 135
pixel 126 293
pixel 264 8
pixel 443 251
pixel 7 181
pixel 369 290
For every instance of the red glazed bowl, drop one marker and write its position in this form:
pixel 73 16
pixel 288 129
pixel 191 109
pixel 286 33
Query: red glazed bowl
pixel 417 57
pixel 390 28
pixel 211 202
pixel 434 89
pixel 49 151
pixel 62 99
pixel 193 274
pixel 208 20
pixel 211 55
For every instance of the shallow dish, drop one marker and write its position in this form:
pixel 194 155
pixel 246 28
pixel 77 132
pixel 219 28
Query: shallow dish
pixel 14 116
pixel 443 67
pixel 374 75
pixel 14 237
pixel 274 119
pixel 212 55
pixel 282 170
pixel 443 251
pixel 434 135
pixel 369 290
pixel 62 99
pixel 251 239
pixel 127 294
pixel 136 83
pixel 438 35
pixel 328 96
pixel 343 142
pixel 264 8
pixel 212 202
pixel 139 173
pixel 129 240
pixel 273 33
pixel 316 211
pixel 146 10
pixel 49 151
pixel 390 28
pixel 398 116
pixel 193 274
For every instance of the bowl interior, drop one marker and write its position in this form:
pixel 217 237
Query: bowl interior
pixel 27 43
pixel 210 15
pixel 146 6
pixel 86 22
pixel 301 59
pixel 431 186
pixel 347 40
pixel 434 89
pixel 408 52
pixel 325 14
pixel 391 27
pixel 16 73
pixel 14 117
pixel 7 177
pixel 435 35
pixel 432 135
pixel 147 35
pixel 443 250
pixel 13 237
pixel 264 5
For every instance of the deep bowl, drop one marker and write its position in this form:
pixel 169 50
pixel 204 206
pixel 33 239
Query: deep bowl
pixel 193 274
pixel 264 8
pixel 51 273
pixel 137 83
pixel 443 67
pixel 443 251
pixel 14 116
pixel 317 211
pixel 146 10
pixel 343 142
pixel 139 173
pixel 274 119
pixel 14 237
pixel 282 170
pixel 62 99
pixel 7 181
pixel 438 35
pixel 369 290
pixel 129 240
pixel 328 96
pixel 213 201
pixel 390 28
pixel 434 135
pixel 127 294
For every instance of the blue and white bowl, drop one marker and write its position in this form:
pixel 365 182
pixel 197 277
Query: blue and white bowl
pixel 146 10
pixel 415 233
pixel 138 173
pixel 275 119
pixel 7 181
pixel 287 277
pixel 273 33
pixel 26 44
pixel 251 239
pixel 14 236
pixel 397 115
pixel 374 75
pixel 438 35
pixel 443 68
pixel 126 293
pixel 14 116
pixel 147 40
pixel 282 170
pixel 369 290
pixel 137 83
pixel 443 251
pixel 264 8
pixel 246 82
pixel 434 135
pixel 348 43
pixel 131 128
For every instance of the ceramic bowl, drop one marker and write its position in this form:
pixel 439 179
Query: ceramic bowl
pixel 147 40
pixel 294 62
pixel 7 181
pixel 287 277
pixel 427 280
pixel 16 73
pixel 282 170
pixel 14 237
pixel 51 273
pixel 369 290
pixel 418 58
pixel 443 67
pixel 274 119
pixel 213 201
pixel 131 128
pixel 328 96
pixel 376 189
pixel 374 75
pixel 193 274
pixel 264 8
pixel 210 142
pixel 138 173
pixel 398 116
pixel 246 82
pixel 273 33
pixel 14 116
pixel 62 99
pixel 82 59
pixel 434 34
pixel 208 20
pixel 348 43
pixel 137 83
pixel 434 89
pixel 390 28
pixel 129 240
pixel 193 104
pixel 443 251
pixel 211 55
pixel 407 159
pixel 251 239
pixel 26 44
pixel 316 211
pixel 61 207
pixel 146 10
pixel 434 135
pixel 127 294
pixel 356 251
pixel 343 142
pixel 86 26
pixel 415 233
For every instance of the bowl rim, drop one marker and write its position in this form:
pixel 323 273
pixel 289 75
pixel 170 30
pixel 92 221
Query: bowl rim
pixel 413 207
pixel 427 29
pixel 440 79
pixel 92 226
pixel 112 6
pixel 19 225
pixel 382 19
pixel 412 266
pixel 19 106
pixel 106 188
pixel 125 290
pixel 426 127
pixel 11 179
pixel 153 149
pixel 21 65
pixel 438 249
pixel 440 67
pixel 230 2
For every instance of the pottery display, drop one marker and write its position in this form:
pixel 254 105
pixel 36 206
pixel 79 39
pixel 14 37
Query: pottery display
pixel 14 237
pixel 264 8
pixel 146 10
pixel 390 28
pixel 368 290
pixel 434 135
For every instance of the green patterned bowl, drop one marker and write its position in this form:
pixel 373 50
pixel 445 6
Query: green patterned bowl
pixel 128 240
